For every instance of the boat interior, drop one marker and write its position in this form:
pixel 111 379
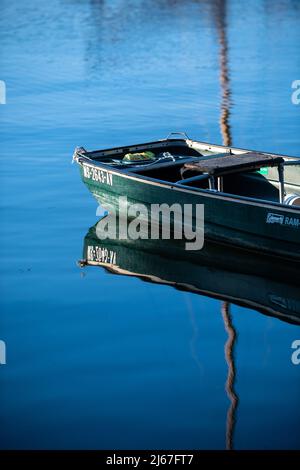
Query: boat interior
pixel 204 166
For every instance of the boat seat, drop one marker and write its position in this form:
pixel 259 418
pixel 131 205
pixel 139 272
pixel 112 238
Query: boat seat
pixel 230 163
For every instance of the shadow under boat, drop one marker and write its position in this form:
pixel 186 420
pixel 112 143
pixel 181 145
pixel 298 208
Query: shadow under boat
pixel 266 284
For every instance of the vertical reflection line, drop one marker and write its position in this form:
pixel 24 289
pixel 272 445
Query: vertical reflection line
pixel 220 16
pixel 230 382
pixel 224 72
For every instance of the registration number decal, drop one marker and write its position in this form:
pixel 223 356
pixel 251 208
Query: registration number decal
pixel 95 174
pixel 97 254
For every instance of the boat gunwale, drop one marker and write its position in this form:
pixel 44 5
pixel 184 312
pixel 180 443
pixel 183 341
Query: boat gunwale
pixel 209 145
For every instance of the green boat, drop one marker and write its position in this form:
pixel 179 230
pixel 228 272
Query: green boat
pixel 231 275
pixel 251 199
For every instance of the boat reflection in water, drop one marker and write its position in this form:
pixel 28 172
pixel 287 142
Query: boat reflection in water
pixel 268 285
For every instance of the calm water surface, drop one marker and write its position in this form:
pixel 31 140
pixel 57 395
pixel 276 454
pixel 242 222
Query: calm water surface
pixel 102 361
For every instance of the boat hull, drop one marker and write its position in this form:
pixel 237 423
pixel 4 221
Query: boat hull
pixel 261 226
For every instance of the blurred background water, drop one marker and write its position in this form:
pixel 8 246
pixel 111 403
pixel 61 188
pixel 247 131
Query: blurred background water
pixel 100 361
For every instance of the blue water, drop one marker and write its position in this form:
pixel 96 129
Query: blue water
pixel 102 361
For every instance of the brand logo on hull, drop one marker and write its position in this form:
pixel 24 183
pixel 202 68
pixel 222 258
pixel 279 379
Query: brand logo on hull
pixel 275 218
pixel 272 218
